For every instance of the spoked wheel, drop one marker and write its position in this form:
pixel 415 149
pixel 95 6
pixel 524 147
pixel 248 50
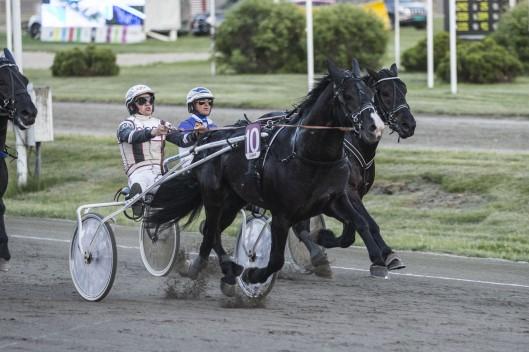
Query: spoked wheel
pixel 298 252
pixel 252 250
pixel 159 247
pixel 93 268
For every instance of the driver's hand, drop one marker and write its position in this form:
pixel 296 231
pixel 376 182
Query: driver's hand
pixel 161 130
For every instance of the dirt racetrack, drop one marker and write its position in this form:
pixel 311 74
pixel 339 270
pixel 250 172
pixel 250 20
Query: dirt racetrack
pixel 439 303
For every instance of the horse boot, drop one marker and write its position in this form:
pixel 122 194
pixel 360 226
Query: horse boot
pixel 4 257
pixel 230 270
pixel 318 257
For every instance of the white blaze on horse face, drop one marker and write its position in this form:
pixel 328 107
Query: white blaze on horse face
pixel 379 124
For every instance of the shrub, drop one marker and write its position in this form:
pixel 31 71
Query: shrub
pixel 513 32
pixel 259 36
pixel 343 32
pixel 92 61
pixel 481 62
pixel 414 59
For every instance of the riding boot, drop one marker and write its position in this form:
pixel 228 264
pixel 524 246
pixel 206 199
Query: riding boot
pixel 137 207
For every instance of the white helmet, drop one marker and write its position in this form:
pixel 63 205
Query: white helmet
pixel 196 94
pixel 134 92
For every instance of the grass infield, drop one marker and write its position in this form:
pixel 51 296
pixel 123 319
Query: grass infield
pixel 468 203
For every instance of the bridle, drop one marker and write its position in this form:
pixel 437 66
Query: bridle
pixel 352 115
pixel 7 101
pixel 389 116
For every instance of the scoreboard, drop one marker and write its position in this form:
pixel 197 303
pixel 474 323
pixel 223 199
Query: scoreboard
pixel 477 18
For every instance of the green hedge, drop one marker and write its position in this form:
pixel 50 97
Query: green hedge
pixel 513 32
pixel 260 36
pixel 481 62
pixel 92 61
pixel 414 59
pixel 343 32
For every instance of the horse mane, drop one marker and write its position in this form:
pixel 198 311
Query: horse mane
pixel 313 95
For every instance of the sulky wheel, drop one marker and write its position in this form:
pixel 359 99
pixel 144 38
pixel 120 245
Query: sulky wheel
pixel 93 268
pixel 159 247
pixel 253 250
pixel 298 251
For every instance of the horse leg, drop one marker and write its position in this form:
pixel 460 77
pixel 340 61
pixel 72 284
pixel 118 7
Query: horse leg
pixel 5 256
pixel 208 241
pixel 229 268
pixel 318 257
pixel 391 259
pixel 279 228
pixel 352 208
pixel 378 267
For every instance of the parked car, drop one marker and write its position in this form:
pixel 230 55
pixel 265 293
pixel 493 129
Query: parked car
pixel 411 13
pixel 201 23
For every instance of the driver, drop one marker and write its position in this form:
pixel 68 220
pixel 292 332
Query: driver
pixel 199 103
pixel 141 138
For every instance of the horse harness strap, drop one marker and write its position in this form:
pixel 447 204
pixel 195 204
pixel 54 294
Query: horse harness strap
pixel 350 149
pixel 7 104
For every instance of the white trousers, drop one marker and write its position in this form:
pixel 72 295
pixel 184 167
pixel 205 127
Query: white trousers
pixel 187 159
pixel 145 176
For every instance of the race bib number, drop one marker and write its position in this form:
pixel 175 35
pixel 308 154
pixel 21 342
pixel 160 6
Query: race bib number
pixel 253 141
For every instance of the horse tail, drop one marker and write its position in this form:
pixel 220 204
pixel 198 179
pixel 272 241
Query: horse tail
pixel 174 200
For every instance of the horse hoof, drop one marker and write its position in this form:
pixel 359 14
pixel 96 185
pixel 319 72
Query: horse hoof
pixel 379 271
pixel 393 262
pixel 324 271
pixel 4 265
pixel 319 259
pixel 195 267
pixel 227 289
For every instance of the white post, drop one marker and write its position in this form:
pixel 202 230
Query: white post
pixel 512 3
pixel 310 45
pixel 396 26
pixel 429 43
pixel 453 46
pixel 213 15
pixel 9 32
pixel 21 136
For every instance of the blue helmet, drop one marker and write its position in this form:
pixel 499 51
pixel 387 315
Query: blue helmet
pixel 196 94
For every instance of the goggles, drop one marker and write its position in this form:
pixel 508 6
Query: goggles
pixel 144 100
pixel 205 101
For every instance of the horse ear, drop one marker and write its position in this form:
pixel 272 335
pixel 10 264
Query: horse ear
pixel 356 69
pixel 9 56
pixel 335 73
pixel 393 69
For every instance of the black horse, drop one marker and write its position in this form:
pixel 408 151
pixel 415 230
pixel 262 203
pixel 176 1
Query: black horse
pixel 390 102
pixel 15 105
pixel 304 173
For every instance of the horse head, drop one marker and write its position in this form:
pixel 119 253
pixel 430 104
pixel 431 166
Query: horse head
pixel 355 100
pixel 15 101
pixel 390 100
